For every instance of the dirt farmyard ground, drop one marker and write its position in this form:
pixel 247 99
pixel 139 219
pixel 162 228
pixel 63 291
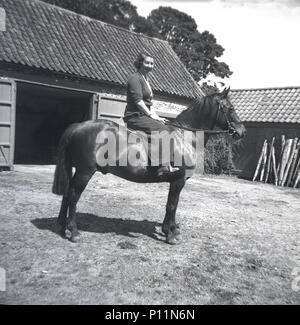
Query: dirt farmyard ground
pixel 240 243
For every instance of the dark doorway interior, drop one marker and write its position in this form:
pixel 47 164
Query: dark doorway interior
pixel 42 115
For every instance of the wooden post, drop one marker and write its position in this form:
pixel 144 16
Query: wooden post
pixel 259 161
pixel 264 162
pixel 293 164
pixel 281 153
pixel 289 162
pixel 297 179
pixel 269 160
pixel 284 160
pixel 296 171
pixel 274 166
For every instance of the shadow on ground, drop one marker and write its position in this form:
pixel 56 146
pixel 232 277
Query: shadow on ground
pixel 92 223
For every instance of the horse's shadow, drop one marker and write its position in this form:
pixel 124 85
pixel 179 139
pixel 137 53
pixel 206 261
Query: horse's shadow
pixel 91 223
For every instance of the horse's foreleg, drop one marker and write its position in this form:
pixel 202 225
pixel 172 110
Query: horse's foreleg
pixel 77 186
pixel 169 226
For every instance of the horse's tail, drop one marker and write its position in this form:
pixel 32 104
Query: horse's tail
pixel 63 170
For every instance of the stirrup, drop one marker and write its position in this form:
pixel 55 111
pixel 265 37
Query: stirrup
pixel 166 169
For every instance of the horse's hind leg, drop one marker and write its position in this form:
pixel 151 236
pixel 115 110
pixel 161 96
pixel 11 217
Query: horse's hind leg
pixel 169 227
pixel 77 186
pixel 62 217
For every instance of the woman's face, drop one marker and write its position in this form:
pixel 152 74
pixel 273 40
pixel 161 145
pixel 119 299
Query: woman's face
pixel 148 64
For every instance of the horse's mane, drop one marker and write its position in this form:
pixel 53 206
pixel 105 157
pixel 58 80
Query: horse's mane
pixel 198 102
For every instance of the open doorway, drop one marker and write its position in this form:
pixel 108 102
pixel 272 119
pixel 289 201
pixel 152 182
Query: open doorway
pixel 42 115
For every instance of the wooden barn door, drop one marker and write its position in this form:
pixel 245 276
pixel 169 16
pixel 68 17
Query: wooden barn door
pixel 111 109
pixel 7 121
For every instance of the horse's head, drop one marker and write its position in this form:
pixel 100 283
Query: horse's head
pixel 226 116
pixel 210 111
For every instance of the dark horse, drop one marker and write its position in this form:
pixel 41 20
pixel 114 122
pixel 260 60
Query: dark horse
pixel 79 148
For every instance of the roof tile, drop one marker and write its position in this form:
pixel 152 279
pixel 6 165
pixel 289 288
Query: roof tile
pixel 48 37
pixel 268 105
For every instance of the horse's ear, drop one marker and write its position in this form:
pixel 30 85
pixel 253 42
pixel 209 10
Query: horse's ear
pixel 225 92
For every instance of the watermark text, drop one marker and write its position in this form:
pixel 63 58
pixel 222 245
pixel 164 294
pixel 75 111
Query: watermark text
pixel 156 149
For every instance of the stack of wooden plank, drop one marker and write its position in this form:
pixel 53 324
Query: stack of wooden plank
pixel 281 168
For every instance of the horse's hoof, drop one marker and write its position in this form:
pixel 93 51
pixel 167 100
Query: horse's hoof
pixel 68 234
pixel 172 240
pixel 178 237
pixel 75 239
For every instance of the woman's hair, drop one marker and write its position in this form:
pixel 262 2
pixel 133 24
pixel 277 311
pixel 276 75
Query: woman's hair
pixel 140 59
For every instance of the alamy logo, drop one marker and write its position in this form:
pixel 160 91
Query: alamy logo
pixel 134 150
pixel 2 20
pixel 2 279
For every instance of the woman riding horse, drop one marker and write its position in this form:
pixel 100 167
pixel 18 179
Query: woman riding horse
pixel 80 148
pixel 138 113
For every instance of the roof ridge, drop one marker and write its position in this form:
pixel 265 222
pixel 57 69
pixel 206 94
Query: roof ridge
pixel 97 20
pixel 266 88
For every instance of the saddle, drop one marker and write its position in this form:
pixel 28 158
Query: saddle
pixel 160 150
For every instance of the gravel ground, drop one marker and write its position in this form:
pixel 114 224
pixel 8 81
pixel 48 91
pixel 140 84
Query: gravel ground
pixel 240 243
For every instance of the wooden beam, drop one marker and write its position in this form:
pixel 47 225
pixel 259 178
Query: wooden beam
pixel 259 161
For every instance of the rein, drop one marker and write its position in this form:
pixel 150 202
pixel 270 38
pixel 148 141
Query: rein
pixel 195 130
pixel 230 128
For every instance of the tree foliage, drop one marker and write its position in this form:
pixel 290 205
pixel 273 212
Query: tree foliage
pixel 117 12
pixel 198 51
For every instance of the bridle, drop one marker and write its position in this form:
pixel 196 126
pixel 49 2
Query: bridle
pixel 231 130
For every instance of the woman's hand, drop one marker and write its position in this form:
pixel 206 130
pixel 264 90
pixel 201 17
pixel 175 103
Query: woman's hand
pixel 156 117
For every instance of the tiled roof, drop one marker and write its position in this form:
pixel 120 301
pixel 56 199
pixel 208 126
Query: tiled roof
pixel 278 105
pixel 44 36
